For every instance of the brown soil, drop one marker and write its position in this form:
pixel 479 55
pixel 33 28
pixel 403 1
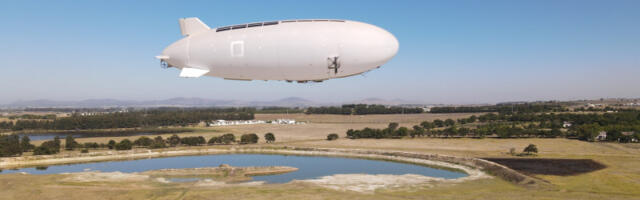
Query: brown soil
pixel 546 166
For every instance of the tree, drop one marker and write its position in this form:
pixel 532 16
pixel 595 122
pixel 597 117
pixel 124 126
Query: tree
pixel 213 140
pixel 25 144
pixel 158 142
pixel 269 137
pixel 70 143
pixel 48 147
pixel 449 122
pixel 417 131
pixel 401 132
pixel 10 145
pixel 227 138
pixel 392 126
pixel 251 138
pixel 111 144
pixel 472 119
pixel 125 144
pixel 438 123
pixel 427 125
pixel 143 141
pixel 332 136
pixel 174 140
pixel 530 149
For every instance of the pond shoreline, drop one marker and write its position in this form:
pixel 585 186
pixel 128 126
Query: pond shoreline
pixel 474 167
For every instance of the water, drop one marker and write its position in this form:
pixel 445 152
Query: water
pixel 308 166
pixel 50 136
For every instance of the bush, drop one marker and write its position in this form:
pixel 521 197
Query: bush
pixel 213 140
pixel 251 138
pixel 193 141
pixel 70 143
pixel 84 151
pixel 111 144
pixel 25 144
pixel 93 145
pixel 227 138
pixel 10 145
pixel 174 140
pixel 124 145
pixel 269 137
pixel 332 136
pixel 158 143
pixel 143 141
pixel 47 148
pixel 530 149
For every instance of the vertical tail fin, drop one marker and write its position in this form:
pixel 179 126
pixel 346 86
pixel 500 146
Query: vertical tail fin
pixel 192 26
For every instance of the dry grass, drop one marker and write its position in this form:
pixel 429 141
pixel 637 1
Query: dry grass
pixel 620 180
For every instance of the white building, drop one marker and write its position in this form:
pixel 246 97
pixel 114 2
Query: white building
pixel 602 135
pixel 235 122
pixel 566 124
pixel 284 121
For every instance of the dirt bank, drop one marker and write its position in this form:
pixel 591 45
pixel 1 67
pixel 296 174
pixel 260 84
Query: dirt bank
pixel 474 167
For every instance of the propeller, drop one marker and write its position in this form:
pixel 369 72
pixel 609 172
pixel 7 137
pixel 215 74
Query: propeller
pixel 335 64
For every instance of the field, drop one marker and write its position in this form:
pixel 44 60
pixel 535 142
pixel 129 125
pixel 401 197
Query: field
pixel 619 180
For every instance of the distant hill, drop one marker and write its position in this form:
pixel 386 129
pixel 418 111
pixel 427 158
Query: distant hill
pixel 191 102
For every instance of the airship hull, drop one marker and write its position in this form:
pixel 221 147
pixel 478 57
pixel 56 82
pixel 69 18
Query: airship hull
pixel 292 50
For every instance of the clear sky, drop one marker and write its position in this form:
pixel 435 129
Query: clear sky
pixel 450 51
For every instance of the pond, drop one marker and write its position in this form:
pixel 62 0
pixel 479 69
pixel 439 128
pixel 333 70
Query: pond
pixel 308 166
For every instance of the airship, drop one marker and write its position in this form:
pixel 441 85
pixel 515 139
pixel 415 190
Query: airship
pixel 288 50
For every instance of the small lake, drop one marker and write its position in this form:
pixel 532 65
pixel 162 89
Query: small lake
pixel 308 166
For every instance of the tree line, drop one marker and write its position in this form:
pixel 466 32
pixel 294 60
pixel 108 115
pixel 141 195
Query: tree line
pixel 362 109
pixel 133 119
pixel 519 125
pixel 13 145
pixel 503 108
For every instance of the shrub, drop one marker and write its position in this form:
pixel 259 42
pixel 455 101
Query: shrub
pixel 111 144
pixel 124 145
pixel 25 144
pixel 70 143
pixel 10 145
pixel 158 142
pixel 84 151
pixel 47 148
pixel 174 140
pixel 251 138
pixel 269 137
pixel 93 145
pixel 530 149
pixel 227 138
pixel 193 141
pixel 332 136
pixel 143 141
pixel 213 140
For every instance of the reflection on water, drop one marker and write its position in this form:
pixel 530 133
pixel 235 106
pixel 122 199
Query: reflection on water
pixel 308 166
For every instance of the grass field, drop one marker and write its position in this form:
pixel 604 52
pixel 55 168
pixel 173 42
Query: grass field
pixel 619 180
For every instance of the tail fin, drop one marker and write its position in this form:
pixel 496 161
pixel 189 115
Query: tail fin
pixel 192 26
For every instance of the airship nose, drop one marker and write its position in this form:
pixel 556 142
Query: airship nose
pixel 380 45
pixel 176 54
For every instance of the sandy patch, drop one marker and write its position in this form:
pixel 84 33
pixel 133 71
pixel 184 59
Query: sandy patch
pixel 105 177
pixel 368 183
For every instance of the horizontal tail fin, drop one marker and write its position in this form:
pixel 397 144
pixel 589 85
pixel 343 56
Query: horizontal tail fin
pixel 192 72
pixel 192 26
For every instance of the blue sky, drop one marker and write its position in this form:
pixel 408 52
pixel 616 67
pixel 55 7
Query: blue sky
pixel 450 51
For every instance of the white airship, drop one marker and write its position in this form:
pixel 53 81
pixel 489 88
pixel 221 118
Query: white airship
pixel 290 50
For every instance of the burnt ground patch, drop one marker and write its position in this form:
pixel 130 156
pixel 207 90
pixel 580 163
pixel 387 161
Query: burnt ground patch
pixel 544 166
